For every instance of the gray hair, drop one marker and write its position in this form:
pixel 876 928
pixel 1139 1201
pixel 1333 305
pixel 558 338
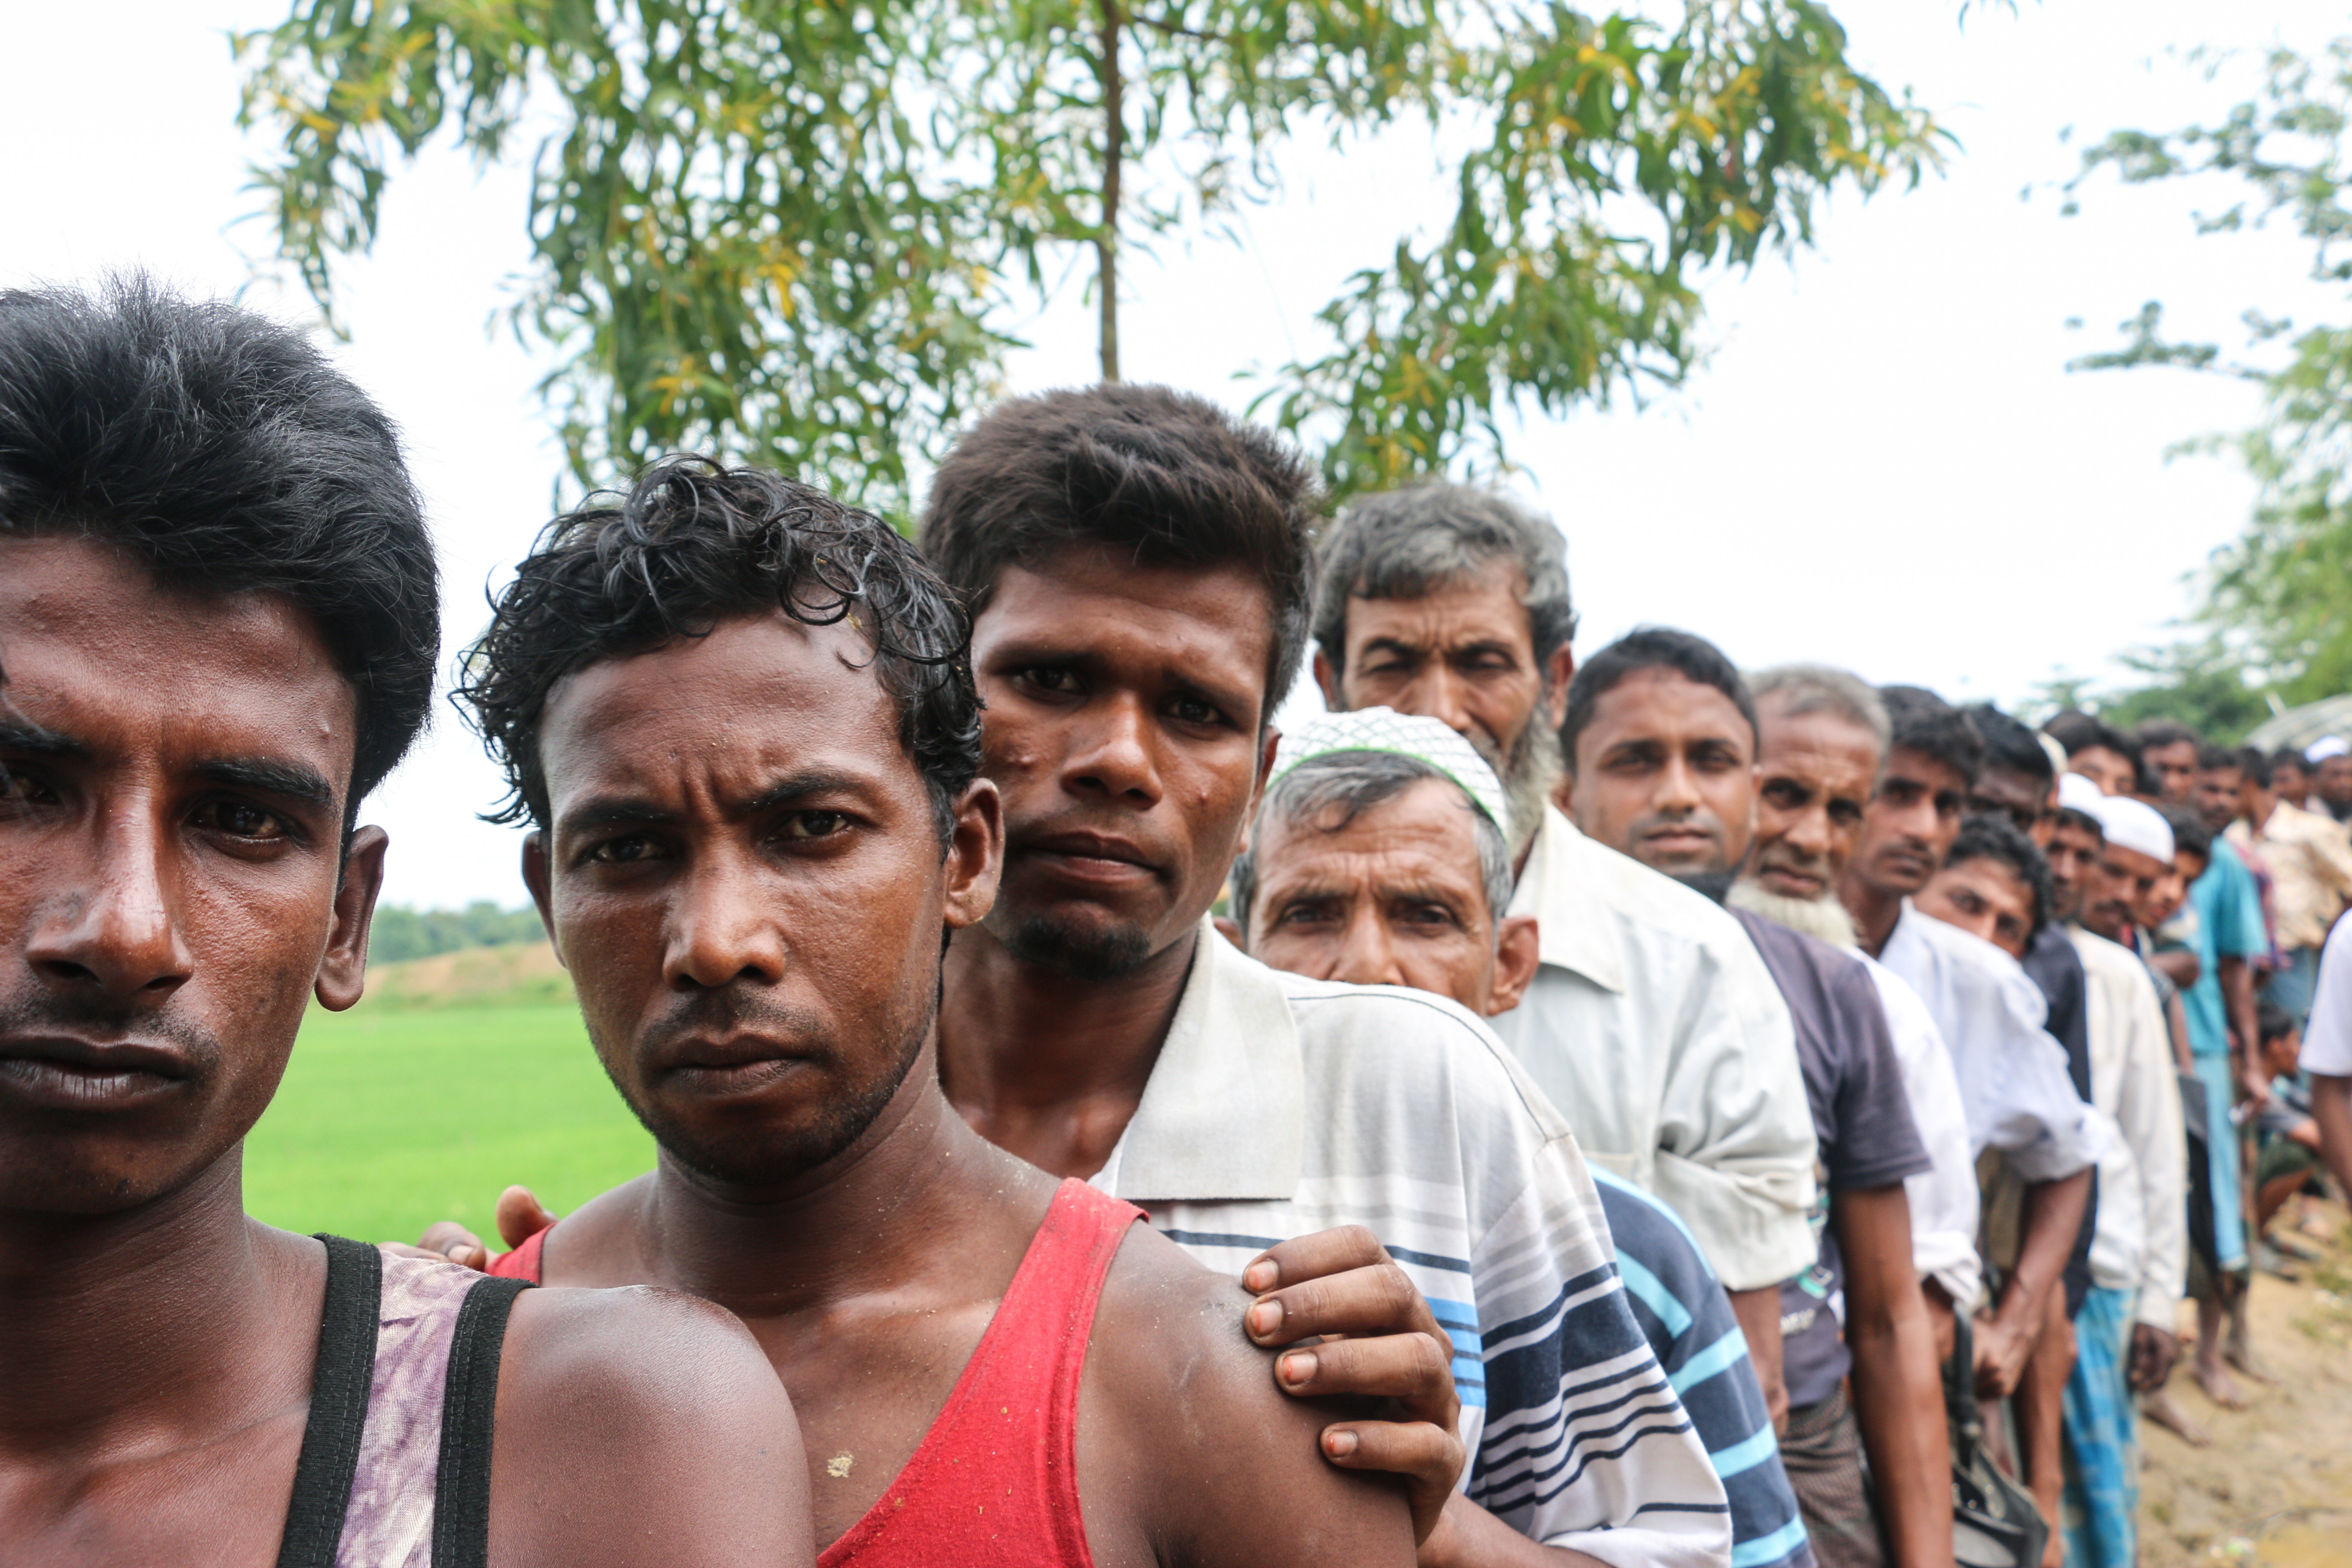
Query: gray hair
pixel 1821 689
pixel 1352 783
pixel 1402 544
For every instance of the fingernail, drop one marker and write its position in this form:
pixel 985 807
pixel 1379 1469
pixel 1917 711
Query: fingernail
pixel 1260 1276
pixel 1339 1445
pixel 1298 1367
pixel 1264 1317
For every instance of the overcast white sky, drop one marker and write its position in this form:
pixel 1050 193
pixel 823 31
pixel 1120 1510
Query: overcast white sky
pixel 1885 464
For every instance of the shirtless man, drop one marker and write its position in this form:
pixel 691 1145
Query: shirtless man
pixel 214 646
pixel 741 720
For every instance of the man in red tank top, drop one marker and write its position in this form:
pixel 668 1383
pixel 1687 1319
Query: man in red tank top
pixel 740 719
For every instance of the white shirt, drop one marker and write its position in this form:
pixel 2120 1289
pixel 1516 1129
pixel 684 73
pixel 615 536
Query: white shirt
pixel 1280 1106
pixel 2140 1243
pixel 2327 1037
pixel 2013 1085
pixel 1657 1031
pixel 1943 1200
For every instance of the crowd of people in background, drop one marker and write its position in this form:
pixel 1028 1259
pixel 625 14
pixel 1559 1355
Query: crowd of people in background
pixel 1656 1112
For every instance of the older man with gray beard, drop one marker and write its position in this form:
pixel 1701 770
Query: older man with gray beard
pixel 1651 1023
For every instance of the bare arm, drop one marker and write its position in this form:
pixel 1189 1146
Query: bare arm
pixel 1183 1434
pixel 1898 1389
pixel 2180 966
pixel 1758 1313
pixel 2238 998
pixel 2054 1212
pixel 639 1426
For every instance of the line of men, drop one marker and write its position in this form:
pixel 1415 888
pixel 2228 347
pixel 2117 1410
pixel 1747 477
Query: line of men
pixel 1618 1089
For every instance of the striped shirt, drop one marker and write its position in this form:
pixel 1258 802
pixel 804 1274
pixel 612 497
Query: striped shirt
pixel 1281 1106
pixel 1682 1311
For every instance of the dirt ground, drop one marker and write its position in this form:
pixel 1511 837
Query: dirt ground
pixel 2275 1489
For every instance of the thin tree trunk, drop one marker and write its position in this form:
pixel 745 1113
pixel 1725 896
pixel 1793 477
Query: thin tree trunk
pixel 1114 152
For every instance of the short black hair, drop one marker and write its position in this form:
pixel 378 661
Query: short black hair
pixel 2215 759
pixel 1649 648
pixel 2256 764
pixel 2157 733
pixel 2272 1021
pixel 2288 757
pixel 1160 475
pixel 223 453
pixel 2009 744
pixel 2077 732
pixel 2188 829
pixel 1990 836
pixel 690 545
pixel 1926 723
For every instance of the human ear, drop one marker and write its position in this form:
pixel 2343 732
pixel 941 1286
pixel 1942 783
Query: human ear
pixel 342 971
pixel 975 855
pixel 535 876
pixel 1517 951
pixel 1329 679
pixel 1558 670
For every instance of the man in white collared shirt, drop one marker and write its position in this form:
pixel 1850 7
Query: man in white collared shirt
pixel 1652 1022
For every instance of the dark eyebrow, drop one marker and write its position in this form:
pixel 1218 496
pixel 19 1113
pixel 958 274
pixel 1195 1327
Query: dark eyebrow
pixel 611 810
pixel 1394 645
pixel 799 786
pixel 23 735
pixel 290 780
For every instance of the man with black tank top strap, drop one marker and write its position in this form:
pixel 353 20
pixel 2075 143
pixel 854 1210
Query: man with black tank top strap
pixel 218 620
pixel 740 719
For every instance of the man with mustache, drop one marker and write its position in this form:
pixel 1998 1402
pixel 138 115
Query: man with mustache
pixel 218 618
pixel 1651 1023
pixel 741 718
pixel 2013 1074
pixel 1660 739
pixel 2140 1253
pixel 1378 856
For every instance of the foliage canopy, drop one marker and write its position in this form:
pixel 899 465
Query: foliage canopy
pixel 2283 591
pixel 793 230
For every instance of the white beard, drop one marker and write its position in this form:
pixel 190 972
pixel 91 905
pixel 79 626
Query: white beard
pixel 1823 919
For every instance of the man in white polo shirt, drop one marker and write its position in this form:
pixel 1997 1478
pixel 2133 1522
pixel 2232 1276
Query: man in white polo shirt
pixel 1651 1023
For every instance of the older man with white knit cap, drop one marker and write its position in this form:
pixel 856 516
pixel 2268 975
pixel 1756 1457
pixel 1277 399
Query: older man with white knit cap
pixel 1381 855
pixel 2140 1249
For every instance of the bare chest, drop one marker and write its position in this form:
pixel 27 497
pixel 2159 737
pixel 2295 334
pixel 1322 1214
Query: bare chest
pixel 216 1504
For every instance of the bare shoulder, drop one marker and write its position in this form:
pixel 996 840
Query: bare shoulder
pixel 1228 1469
pixel 638 1425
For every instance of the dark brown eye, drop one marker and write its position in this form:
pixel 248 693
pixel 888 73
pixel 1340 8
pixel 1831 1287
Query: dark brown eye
pixel 241 819
pixel 814 823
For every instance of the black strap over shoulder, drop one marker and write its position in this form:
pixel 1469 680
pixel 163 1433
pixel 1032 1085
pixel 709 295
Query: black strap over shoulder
pixel 461 1495
pixel 338 1404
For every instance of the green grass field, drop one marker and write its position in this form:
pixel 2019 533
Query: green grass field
pixel 389 1120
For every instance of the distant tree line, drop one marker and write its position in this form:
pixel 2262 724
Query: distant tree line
pixel 403 933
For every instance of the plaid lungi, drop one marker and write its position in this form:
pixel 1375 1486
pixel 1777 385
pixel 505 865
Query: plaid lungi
pixel 2101 1497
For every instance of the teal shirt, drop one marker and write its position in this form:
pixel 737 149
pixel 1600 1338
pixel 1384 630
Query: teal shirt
pixel 2229 925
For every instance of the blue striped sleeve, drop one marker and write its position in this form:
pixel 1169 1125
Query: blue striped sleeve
pixel 1682 1311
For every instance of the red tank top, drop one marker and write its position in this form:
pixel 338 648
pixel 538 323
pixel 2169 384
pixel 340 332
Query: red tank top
pixel 994 1483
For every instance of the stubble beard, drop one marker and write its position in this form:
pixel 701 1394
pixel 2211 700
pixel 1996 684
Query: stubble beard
pixel 1077 950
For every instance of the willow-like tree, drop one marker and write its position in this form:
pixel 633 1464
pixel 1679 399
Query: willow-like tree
pixel 2280 596
pixel 795 232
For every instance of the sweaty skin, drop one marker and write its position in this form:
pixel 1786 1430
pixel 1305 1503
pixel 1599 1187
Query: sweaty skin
pixel 721 807
pixel 174 885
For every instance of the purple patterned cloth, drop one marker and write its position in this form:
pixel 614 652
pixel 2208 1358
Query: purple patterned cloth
pixel 389 1523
